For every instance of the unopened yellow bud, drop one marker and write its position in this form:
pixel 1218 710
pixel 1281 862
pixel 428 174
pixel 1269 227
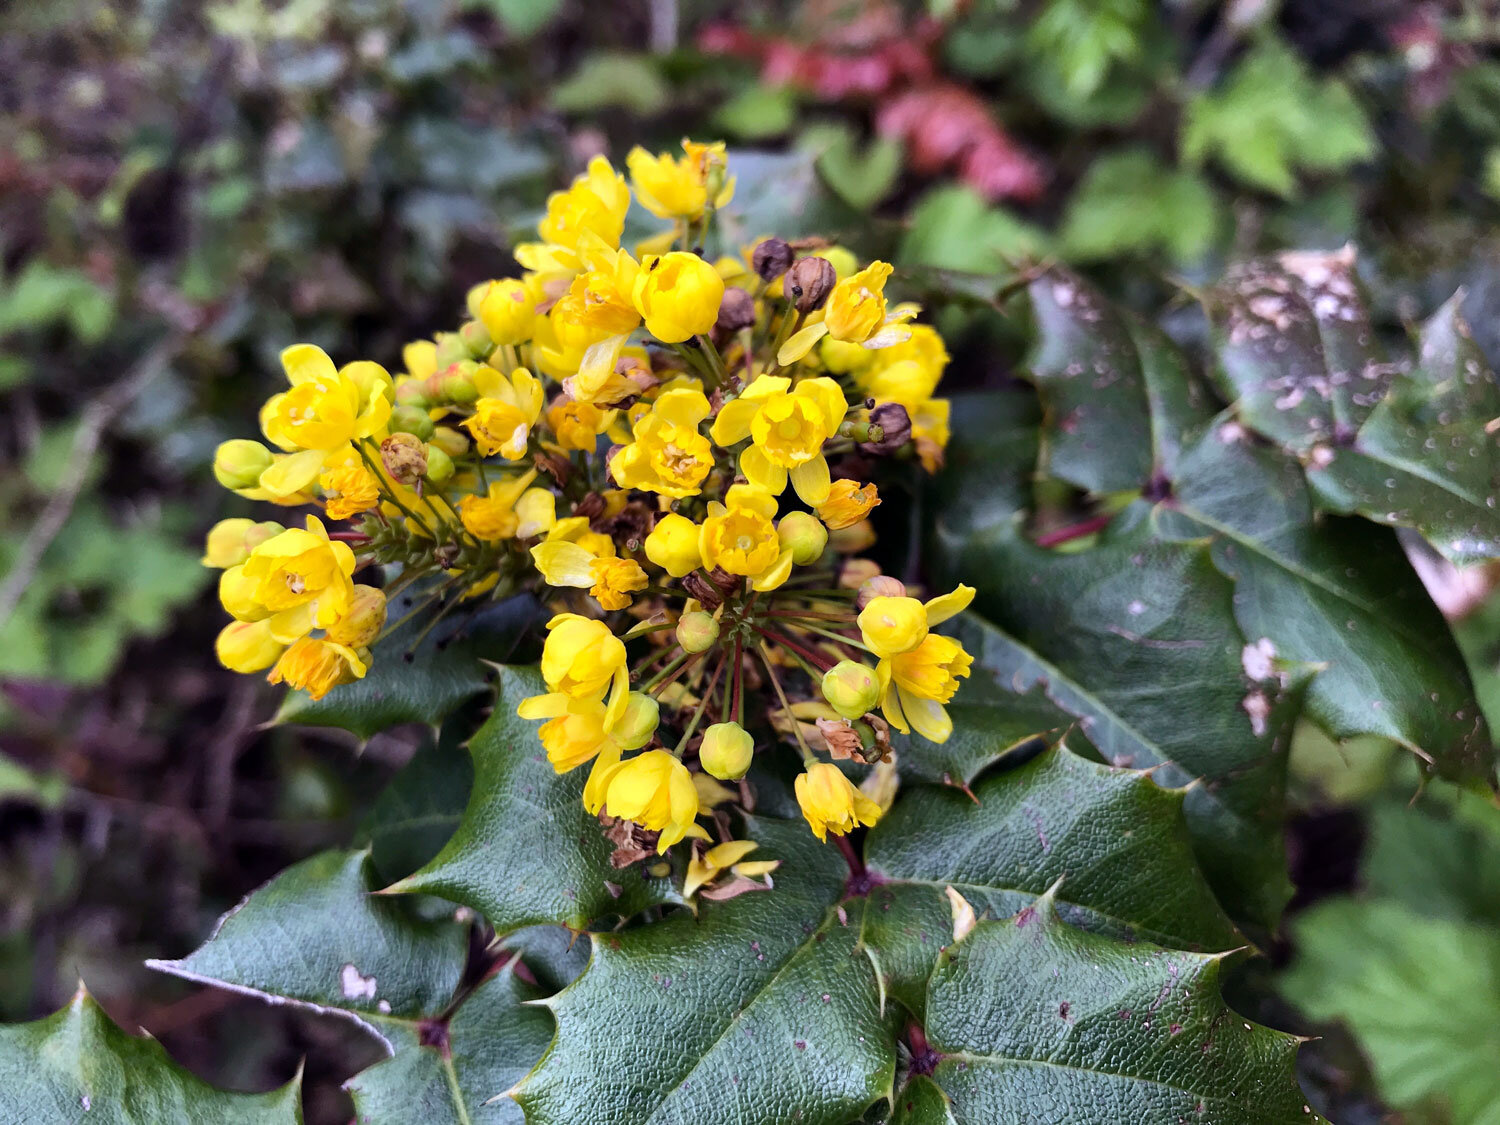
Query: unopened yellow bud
pixel 804 535
pixel 359 627
pixel 697 631
pixel 449 440
pixel 456 383
pixel 851 688
pixel 638 723
pixel 506 310
pixel 879 586
pixel 412 420
pixel 404 457
pixel 413 392
pixel 673 545
pixel 726 751
pixel 450 349
pixel 239 463
pixel 247 646
pixel 678 294
pixel 439 464
pixel 225 545
pixel 893 625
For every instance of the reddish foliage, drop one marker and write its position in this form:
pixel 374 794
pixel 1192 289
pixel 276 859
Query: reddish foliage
pixel 947 126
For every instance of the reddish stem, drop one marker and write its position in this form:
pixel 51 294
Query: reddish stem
pixel 349 536
pixel 1075 531
pixel 812 657
pixel 739 678
pixel 851 857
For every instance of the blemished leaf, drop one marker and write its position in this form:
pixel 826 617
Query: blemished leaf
pixel 1132 201
pixel 526 851
pixel 78 1065
pixel 446 670
pixel 1419 994
pixel 611 79
pixel 755 1005
pixel 491 1042
pixel 1118 837
pixel 1031 1019
pixel 316 936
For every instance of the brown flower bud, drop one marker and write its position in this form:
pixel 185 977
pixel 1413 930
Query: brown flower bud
pixel 405 458
pixel 771 258
pixel 808 283
pixel 736 310
pixel 699 587
pixel 881 586
pixel 637 372
pixel 895 429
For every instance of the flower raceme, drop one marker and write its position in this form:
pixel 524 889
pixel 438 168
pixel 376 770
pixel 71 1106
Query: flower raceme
pixel 682 456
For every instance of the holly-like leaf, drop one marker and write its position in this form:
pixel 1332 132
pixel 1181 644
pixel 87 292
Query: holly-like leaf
pixel 754 1010
pixel 422 804
pixel 1119 838
pixel 527 851
pixel 1031 1019
pixel 316 936
pixel 78 1065
pixel 488 1046
pixel 445 670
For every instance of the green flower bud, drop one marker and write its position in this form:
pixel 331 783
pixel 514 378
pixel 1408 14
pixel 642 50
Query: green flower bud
pixel 697 631
pixel 239 463
pixel 411 420
pixel 450 349
pixel 439 464
pixel 851 688
pixel 726 751
pixel 456 383
pixel 413 392
pixel 476 339
pixel 638 724
pixel 453 442
pixel 805 534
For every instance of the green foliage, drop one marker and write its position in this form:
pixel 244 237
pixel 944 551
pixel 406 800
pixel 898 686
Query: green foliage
pixel 860 175
pixel 78 1065
pixel 627 81
pixel 952 228
pixel 1129 201
pixel 1083 39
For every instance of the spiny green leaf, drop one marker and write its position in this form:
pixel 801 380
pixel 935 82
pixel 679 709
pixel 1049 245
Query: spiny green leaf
pixel 1118 837
pixel 421 805
pixel 77 1065
pixel 446 669
pixel 527 851
pixel 1032 1019
pixel 755 1009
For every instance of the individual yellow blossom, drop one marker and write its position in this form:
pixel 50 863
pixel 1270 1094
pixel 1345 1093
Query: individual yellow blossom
pixel 726 751
pixel 348 485
pixel 668 455
pixel 848 502
pixel 359 627
pixel 577 425
pixel 679 189
pixel 890 625
pixel 507 311
pixel 787 427
pixel 493 516
pixel 679 295
pixel 611 580
pixel 856 313
pixel 325 409
pixel 728 856
pixel 301 578
pixel 673 545
pixel 582 659
pixel 503 417
pixel 247 646
pixel 600 300
pixel 230 542
pixel 317 666
pixel 575 730
pixel 595 202
pixel 916 684
pixel 740 537
pixel 831 803
pixel 654 790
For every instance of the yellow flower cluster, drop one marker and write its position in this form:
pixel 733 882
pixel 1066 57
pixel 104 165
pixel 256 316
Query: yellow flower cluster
pixel 678 451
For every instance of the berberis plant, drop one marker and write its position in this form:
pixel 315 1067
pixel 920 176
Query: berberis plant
pixel 653 472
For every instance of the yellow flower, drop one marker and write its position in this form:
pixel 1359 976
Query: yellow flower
pixel 247 646
pixel 673 545
pixel 856 313
pixel 582 659
pixel 726 751
pixel 301 579
pixel 848 502
pixel 317 666
pixel 831 803
pixel 668 454
pixel 577 425
pixel 359 627
pixel 325 410
pixel 610 580
pixel 916 684
pixel 679 189
pixel 419 358
pixel 653 790
pixel 595 202
pixel 741 538
pixel 721 857
pixel 574 732
pixel 890 625
pixel 503 417
pixel 230 542
pixel 787 428
pixel 506 310
pixel 678 294
pixel 348 486
pixel 600 300
pixel 493 516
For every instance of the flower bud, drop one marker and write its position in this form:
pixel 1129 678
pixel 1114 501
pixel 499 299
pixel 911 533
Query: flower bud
pixel 363 620
pixel 411 420
pixel 848 502
pixel 892 625
pixel 452 442
pixel 673 545
pixel 895 429
pixel 881 586
pixel 697 631
pixel 439 464
pixel 638 723
pixel 771 258
pixel 413 392
pixel 736 310
pixel 853 540
pixel 239 463
pixel 476 339
pixel 851 688
pixel 726 751
pixel 404 457
pixel 450 349
pixel 247 646
pixel 804 534
pixel 506 310
pixel 456 383
pixel 230 542
pixel 808 283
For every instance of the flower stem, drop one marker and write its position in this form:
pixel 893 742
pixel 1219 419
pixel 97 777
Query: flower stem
pixel 765 656
pixel 702 707
pixel 671 666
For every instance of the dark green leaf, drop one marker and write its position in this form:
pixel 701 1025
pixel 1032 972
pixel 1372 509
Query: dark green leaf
pixel 77 1065
pixel 755 1006
pixel 527 851
pixel 1118 837
pixel 422 804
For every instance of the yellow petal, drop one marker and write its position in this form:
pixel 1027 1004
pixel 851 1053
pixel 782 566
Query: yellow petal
pixel 305 362
pixel 762 472
pixel 548 706
pixel 801 343
pixel 928 716
pixel 293 473
pixel 563 563
pixel 733 421
pixel 811 480
pixel 727 855
pixel 778 573
pixel 939 609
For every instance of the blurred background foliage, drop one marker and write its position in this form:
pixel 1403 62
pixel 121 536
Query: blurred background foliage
pixel 185 188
